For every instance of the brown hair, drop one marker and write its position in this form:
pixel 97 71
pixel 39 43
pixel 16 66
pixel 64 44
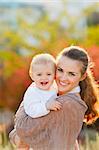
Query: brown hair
pixel 89 90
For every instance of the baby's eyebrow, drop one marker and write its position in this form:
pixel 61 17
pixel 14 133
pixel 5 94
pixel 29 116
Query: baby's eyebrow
pixel 39 73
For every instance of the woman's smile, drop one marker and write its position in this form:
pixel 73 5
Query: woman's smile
pixel 68 74
pixel 63 83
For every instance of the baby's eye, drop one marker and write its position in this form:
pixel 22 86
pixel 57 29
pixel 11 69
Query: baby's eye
pixel 60 69
pixel 39 74
pixel 49 74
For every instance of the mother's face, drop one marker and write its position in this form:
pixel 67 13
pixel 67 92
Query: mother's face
pixel 68 74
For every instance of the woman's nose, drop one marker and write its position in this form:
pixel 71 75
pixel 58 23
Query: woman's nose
pixel 64 77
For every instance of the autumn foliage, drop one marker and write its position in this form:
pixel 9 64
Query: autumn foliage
pixel 19 44
pixel 94 54
pixel 13 87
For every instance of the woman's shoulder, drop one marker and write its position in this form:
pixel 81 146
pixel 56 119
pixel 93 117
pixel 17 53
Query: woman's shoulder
pixel 72 99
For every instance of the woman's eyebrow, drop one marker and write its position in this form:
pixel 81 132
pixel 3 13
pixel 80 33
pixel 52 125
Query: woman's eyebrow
pixel 74 72
pixel 59 67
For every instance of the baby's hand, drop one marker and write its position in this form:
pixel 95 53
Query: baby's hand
pixel 53 105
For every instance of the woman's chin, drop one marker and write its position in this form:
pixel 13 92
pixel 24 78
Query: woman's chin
pixel 62 92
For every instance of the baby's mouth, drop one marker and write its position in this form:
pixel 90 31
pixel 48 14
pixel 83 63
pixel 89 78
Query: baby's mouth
pixel 44 83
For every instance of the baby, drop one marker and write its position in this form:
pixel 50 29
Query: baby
pixel 38 98
pixel 42 72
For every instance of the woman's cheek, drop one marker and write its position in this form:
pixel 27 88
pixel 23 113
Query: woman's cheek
pixel 58 74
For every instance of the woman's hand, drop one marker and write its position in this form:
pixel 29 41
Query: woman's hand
pixel 53 105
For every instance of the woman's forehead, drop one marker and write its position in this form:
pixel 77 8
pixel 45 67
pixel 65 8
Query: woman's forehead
pixel 68 63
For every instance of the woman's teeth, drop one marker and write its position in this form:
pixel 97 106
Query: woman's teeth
pixel 62 83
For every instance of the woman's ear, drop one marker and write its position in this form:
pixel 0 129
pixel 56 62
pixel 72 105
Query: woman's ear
pixel 84 76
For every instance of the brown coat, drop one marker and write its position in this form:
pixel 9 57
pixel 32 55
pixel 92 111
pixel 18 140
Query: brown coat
pixel 55 131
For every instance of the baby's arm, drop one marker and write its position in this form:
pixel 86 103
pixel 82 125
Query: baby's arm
pixel 33 106
pixel 35 109
pixel 53 105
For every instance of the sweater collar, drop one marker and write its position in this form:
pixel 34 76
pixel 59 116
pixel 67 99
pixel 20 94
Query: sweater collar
pixel 75 90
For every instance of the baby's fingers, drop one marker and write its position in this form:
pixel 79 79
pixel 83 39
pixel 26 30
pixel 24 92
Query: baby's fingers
pixel 55 109
pixel 58 103
pixel 58 106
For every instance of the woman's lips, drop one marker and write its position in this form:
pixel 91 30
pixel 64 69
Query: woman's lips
pixel 63 83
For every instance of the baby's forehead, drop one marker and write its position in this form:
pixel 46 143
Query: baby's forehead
pixel 46 66
pixel 44 63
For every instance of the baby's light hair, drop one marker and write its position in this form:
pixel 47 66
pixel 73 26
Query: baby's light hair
pixel 44 59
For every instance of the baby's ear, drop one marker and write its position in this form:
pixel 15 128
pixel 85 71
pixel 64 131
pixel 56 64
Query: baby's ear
pixel 84 76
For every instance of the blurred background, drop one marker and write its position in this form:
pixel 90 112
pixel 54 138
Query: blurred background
pixel 36 26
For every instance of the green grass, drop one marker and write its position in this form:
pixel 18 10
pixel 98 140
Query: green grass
pixel 90 144
pixel 91 141
pixel 5 143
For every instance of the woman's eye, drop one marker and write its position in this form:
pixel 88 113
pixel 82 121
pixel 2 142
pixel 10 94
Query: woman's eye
pixel 60 69
pixel 72 74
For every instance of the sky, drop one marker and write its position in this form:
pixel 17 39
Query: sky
pixel 55 6
pixel 51 1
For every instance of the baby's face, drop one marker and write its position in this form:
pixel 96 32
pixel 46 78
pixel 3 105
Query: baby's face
pixel 43 75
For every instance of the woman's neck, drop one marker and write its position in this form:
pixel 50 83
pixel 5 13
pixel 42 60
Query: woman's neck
pixel 74 90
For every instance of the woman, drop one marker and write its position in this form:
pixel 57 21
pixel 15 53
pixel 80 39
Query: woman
pixel 59 130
